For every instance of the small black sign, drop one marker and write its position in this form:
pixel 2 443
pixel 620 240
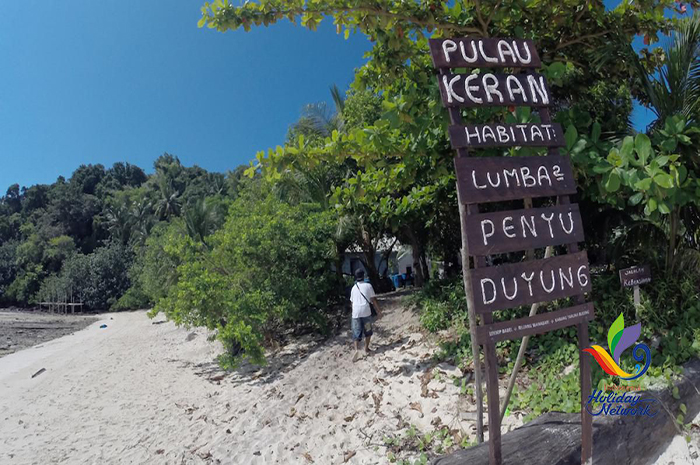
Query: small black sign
pixel 635 276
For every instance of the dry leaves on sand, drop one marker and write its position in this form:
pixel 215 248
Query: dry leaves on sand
pixel 348 455
pixel 308 457
pixel 416 406
pixel 377 401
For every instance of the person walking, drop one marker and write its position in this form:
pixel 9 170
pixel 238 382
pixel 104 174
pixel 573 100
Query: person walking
pixel 363 300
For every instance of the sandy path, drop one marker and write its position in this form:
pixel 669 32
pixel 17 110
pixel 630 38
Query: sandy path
pixel 139 392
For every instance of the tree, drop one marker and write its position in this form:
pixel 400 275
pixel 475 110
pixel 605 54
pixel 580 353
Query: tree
pixel 168 203
pixel 269 265
pixel 12 199
pixel 87 177
pixel 202 218
pixel 654 176
pixel 403 158
pixel 672 86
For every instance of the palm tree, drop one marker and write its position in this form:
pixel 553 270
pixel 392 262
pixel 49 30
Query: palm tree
pixel 142 219
pixel 118 218
pixel 168 203
pixel 318 119
pixel 201 219
pixel 674 88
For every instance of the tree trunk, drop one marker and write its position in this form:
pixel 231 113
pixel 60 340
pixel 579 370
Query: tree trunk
pixel 673 232
pixel 369 251
pixel 339 260
pixel 425 268
pixel 420 268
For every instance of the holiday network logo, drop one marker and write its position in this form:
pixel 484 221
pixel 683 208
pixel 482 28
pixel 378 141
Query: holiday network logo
pixel 619 339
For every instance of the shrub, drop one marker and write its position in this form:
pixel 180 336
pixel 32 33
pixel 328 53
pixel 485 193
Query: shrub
pixel 269 266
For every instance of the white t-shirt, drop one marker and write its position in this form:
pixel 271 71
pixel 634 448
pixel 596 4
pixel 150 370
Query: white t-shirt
pixel 360 306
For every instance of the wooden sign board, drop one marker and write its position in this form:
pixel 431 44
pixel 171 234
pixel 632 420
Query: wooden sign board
pixel 512 285
pixel 483 52
pixel 538 324
pixel 491 179
pixel 635 276
pixel 496 179
pixel 508 231
pixel 506 135
pixel 494 90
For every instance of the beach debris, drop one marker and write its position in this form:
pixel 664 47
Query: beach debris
pixel 348 455
pixel 299 398
pixel 417 407
pixel 377 401
pixel 378 380
pixel 228 430
pixel 424 381
pixel 103 326
pixel 158 322
pixel 308 457
pixel 38 372
pixel 160 451
pixel 191 336
pixel 350 418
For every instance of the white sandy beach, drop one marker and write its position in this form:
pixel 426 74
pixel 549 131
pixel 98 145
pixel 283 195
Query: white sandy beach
pixel 138 392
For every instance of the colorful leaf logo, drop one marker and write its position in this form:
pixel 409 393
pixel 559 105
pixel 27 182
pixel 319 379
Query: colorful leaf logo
pixel 619 340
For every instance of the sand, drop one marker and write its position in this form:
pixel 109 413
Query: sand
pixel 138 392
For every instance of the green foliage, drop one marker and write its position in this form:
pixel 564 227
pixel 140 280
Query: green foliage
pixel 97 279
pixel 417 447
pixel 267 267
pixel 654 180
pixel 669 313
pixel 441 304
pixel 52 232
pixel 8 265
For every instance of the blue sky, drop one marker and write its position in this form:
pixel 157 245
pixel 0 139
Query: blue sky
pixel 100 82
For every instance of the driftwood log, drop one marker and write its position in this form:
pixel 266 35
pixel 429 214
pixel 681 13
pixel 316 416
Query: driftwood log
pixel 555 438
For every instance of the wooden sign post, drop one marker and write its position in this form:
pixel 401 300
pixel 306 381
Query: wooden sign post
pixel 498 179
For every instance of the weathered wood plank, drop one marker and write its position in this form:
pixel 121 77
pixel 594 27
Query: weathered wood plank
pixel 482 52
pixel 506 135
pixel 538 324
pixel 496 179
pixel 494 90
pixel 512 285
pixel 508 231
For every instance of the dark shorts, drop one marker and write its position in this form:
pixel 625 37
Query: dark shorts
pixel 361 327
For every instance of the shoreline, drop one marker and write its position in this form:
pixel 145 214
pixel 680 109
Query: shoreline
pixel 21 328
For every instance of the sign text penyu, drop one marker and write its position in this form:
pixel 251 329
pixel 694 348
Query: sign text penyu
pixel 508 231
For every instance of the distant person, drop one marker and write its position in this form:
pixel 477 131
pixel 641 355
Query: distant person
pixel 361 296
